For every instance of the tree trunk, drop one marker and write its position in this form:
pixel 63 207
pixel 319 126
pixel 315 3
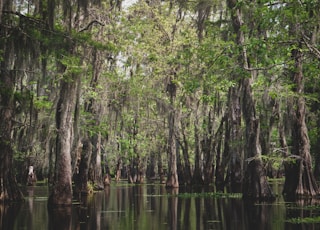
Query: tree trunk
pixel 300 180
pixel 255 184
pixel 96 169
pixel 61 191
pixel 208 148
pixel 81 178
pixel 9 190
pixel 197 178
pixel 187 173
pixel 172 178
pixel 317 155
pixel 220 161
pixel 233 150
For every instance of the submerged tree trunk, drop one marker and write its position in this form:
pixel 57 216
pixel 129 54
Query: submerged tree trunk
pixel 300 180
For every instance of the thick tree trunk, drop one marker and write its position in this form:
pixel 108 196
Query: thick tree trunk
pixel 96 110
pixel 300 180
pixel 233 149
pixel 61 190
pixel 317 155
pixel 9 190
pixel 255 185
pixel 81 178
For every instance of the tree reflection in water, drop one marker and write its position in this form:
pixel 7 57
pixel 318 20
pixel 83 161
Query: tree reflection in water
pixel 8 215
pixel 152 206
pixel 60 218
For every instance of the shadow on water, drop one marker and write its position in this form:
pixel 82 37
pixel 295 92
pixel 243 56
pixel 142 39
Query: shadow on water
pixel 123 206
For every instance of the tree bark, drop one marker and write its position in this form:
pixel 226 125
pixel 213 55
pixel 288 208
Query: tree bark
pixel 96 168
pixel 9 190
pixel 61 190
pixel 300 180
pixel 81 178
pixel 233 150
pixel 255 185
pixel 172 178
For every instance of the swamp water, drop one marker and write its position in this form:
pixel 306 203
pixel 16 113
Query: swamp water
pixel 152 207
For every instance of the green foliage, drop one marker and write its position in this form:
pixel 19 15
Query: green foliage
pixel 209 194
pixel 42 102
pixel 305 220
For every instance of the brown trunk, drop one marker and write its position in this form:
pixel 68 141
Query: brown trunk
pixel 96 111
pixel 160 168
pixel 172 178
pixel 96 169
pixel 317 155
pixel 197 178
pixel 208 148
pixel 61 190
pixel 9 190
pixel 220 162
pixel 255 184
pixel 233 150
pixel 187 175
pixel 118 170
pixel 300 180
pixel 81 179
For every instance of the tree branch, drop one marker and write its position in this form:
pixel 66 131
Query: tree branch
pixel 312 49
pixel 90 24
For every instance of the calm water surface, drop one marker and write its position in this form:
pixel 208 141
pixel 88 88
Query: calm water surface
pixel 150 207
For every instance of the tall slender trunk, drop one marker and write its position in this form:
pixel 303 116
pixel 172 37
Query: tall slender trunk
pixel 172 177
pixel 197 174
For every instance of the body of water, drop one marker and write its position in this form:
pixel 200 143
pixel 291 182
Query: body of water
pixel 152 207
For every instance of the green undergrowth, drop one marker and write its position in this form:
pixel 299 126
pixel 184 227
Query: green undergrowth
pixel 199 195
pixel 209 194
pixel 306 220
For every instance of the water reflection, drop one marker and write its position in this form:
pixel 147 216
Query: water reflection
pixel 60 218
pixel 123 206
pixel 8 215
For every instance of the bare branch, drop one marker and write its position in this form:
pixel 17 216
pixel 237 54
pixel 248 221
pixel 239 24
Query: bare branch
pixel 312 49
pixel 90 24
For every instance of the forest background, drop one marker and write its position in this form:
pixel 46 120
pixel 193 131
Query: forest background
pixel 188 92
